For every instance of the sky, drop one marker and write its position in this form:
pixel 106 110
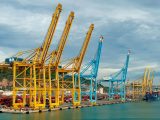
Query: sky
pixel 125 24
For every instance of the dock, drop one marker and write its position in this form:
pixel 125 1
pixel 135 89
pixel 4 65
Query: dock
pixel 63 107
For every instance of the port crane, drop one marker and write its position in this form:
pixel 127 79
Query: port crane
pixel 117 81
pixel 39 79
pixel 69 73
pixel 141 86
pixel 29 74
pixel 52 73
pixel 89 74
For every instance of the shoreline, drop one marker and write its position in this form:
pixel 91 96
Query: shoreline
pixel 65 107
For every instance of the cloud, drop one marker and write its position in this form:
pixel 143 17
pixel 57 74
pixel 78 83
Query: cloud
pixel 124 24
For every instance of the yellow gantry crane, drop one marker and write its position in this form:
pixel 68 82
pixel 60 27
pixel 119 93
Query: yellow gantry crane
pixel 69 74
pixel 40 77
pixel 140 87
pixel 52 74
pixel 29 74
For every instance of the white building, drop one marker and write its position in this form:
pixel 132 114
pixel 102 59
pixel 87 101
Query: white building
pixel 7 93
pixel 100 91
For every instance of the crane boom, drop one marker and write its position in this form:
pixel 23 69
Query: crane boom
pixel 126 66
pixel 84 47
pixel 145 75
pixel 97 57
pixel 151 82
pixel 48 39
pixel 39 54
pixel 56 55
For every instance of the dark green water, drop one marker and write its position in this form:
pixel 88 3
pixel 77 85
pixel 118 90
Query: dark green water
pixel 141 110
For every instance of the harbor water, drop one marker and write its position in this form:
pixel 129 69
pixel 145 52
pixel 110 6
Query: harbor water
pixel 141 110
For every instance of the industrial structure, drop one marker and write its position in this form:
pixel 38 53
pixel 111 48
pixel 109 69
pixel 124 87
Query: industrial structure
pixel 140 87
pixel 29 75
pixel 41 80
pixel 117 81
pixel 38 76
pixel 89 73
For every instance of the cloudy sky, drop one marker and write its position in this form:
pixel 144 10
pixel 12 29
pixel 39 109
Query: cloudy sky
pixel 125 24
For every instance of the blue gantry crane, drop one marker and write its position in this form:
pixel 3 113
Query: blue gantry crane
pixel 88 75
pixel 117 81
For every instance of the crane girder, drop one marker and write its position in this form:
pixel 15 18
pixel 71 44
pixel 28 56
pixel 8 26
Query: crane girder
pixel 48 39
pixel 76 62
pixel 84 47
pixel 56 54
